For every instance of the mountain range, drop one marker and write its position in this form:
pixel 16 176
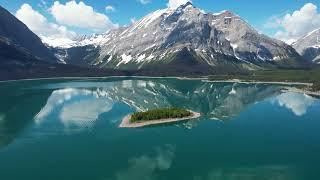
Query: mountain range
pixel 184 38
pixel 181 41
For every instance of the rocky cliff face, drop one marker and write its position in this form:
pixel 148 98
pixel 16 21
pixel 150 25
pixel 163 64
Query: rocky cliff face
pixel 309 46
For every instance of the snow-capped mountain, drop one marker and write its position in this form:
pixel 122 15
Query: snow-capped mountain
pixel 186 38
pixel 84 40
pixel 309 46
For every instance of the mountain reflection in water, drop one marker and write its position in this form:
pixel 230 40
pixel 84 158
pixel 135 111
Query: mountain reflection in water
pixel 79 104
pixel 246 131
pixel 214 101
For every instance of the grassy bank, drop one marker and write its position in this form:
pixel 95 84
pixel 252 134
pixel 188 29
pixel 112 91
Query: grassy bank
pixel 156 114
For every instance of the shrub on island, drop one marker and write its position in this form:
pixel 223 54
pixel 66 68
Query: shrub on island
pixel 316 86
pixel 158 114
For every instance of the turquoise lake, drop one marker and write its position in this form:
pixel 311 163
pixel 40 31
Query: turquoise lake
pixel 67 129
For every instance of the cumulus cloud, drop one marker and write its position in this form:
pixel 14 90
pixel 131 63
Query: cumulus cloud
pixel 80 15
pixel 293 26
pixel 110 8
pixel 172 4
pixel 39 24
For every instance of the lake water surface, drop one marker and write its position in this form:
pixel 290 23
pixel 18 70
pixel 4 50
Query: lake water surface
pixel 68 130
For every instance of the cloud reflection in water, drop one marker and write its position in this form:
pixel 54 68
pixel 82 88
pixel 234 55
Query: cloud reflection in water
pixel 147 167
pixel 296 102
pixel 75 107
pixel 273 172
pixel 2 117
pixel 83 113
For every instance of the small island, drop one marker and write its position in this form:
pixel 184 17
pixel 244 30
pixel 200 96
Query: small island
pixel 157 116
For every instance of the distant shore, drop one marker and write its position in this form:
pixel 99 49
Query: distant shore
pixel 125 123
pixel 296 90
pixel 203 79
pixel 258 82
pixel 103 77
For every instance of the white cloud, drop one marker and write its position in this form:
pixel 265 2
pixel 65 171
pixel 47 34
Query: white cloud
pixel 293 26
pixel 39 24
pixel 110 8
pixel 80 15
pixel 144 1
pixel 296 102
pixel 172 4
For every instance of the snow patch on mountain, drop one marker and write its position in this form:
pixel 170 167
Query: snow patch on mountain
pixel 95 39
pixel 58 42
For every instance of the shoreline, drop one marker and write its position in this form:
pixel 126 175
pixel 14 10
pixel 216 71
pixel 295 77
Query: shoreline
pixel 125 123
pixel 203 79
pixel 102 77
pixel 297 90
pixel 258 82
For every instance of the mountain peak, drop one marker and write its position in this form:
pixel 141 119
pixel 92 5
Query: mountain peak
pixel 174 6
pixel 186 4
pixel 225 13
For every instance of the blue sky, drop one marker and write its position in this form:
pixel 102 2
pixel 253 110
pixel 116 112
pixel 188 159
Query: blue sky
pixel 258 13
